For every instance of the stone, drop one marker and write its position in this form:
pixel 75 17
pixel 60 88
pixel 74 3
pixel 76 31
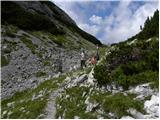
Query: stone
pixel 143 89
pixel 25 64
pixel 135 113
pixel 152 106
pixel 111 115
pixel 127 117
pixel 4 112
pixel 9 113
pixel 140 97
pixel 10 104
pixel 82 78
pixel 76 117
pixel 91 74
pixel 21 109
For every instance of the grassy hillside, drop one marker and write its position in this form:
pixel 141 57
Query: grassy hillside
pixel 14 14
pixel 134 61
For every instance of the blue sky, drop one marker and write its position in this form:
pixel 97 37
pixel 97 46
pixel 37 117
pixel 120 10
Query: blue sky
pixel 109 21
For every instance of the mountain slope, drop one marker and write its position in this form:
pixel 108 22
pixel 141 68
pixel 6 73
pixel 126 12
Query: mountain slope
pixel 38 40
pixel 41 16
pixel 123 84
pixel 136 58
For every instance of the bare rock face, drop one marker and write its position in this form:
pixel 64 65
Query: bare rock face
pixel 21 71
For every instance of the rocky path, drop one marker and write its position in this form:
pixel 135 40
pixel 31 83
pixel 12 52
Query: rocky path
pixel 151 106
pixel 50 110
pixel 51 107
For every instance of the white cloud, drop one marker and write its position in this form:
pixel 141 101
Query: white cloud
pixel 126 23
pixel 95 19
pixel 78 15
pixel 92 29
pixel 123 22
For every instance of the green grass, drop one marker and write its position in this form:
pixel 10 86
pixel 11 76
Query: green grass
pixel 119 104
pixel 40 74
pixel 58 39
pixel 130 65
pixel 102 51
pixel 155 84
pixel 88 70
pixel 39 34
pixel 132 80
pixel 73 105
pixel 29 44
pixel 4 61
pixel 24 99
pixel 46 63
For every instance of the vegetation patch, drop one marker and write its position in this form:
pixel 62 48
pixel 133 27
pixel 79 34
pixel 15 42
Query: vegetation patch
pixel 71 104
pixel 46 63
pixel 26 20
pixel 40 74
pixel 130 65
pixel 58 39
pixel 4 61
pixel 9 33
pixel 119 104
pixel 29 104
pixel 29 44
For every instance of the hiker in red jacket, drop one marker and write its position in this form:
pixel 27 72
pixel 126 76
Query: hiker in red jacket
pixel 93 60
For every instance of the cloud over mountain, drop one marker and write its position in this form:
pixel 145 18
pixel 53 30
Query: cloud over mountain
pixel 109 21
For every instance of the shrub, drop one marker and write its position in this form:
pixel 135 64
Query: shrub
pixel 119 104
pixel 101 74
pixel 134 67
pixel 121 79
pixel 153 60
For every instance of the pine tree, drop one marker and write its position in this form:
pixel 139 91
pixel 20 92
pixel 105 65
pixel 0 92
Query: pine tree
pixel 151 27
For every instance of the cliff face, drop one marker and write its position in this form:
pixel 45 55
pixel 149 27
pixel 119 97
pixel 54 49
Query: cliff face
pixel 38 40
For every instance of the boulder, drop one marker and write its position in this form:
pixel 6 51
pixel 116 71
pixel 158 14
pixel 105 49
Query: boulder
pixel 127 117
pixel 135 113
pixel 143 89
pixel 152 106
pixel 82 78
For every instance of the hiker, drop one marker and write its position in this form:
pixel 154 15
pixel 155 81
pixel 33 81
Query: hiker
pixel 93 60
pixel 97 54
pixel 83 59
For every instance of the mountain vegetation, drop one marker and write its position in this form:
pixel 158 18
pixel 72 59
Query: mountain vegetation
pixel 134 61
pixel 41 75
pixel 26 20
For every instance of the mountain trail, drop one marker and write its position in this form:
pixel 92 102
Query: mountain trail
pixel 51 106
pixel 50 110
